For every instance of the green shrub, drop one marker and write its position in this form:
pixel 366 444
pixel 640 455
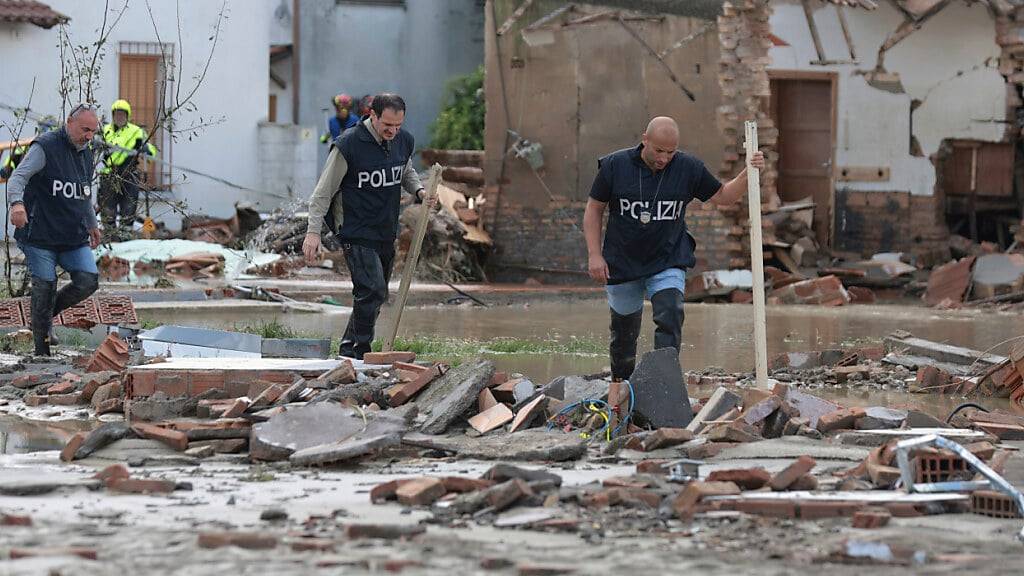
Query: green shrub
pixel 460 125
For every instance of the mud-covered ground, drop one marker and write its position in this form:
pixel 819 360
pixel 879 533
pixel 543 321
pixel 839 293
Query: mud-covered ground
pixel 158 534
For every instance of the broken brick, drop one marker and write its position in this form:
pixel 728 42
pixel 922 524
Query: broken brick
pixel 237 408
pixel 34 400
pixel 527 414
pixel 247 540
pixel 388 357
pixel 81 552
pixel 387 491
pixel 652 467
pixel 816 510
pixel 26 381
pixel 665 437
pixel 269 395
pixel 415 386
pixel 313 545
pixel 745 478
pixel 62 387
pixel 784 478
pixel 842 419
pixel 773 508
pixel 462 485
pixel 112 354
pixel 685 504
pixel 15 520
pixel 74 443
pixel 420 492
pixel 736 432
pixel 485 401
pixel 805 483
pixel 869 518
pixel 141 486
pixel 494 417
pixel 383 531
pixel 755 413
pixel 173 438
pixel 110 405
pixel 71 399
pixel 527 569
pixel 112 473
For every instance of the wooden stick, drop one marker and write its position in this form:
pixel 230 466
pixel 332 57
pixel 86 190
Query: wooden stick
pixel 756 258
pixel 413 258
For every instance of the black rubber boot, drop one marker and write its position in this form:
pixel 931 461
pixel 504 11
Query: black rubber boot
pixel 625 330
pixel 82 285
pixel 44 295
pixel 668 318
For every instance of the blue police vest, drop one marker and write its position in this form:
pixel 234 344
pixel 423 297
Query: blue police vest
pixel 58 198
pixel 371 190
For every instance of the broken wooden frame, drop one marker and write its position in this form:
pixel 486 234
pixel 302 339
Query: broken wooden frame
pixel 996 481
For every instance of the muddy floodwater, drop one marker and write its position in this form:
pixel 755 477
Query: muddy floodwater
pixel 713 334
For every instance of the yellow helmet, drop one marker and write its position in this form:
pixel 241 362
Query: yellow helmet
pixel 121 105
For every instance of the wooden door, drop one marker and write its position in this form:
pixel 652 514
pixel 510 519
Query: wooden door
pixel 139 85
pixel 803 111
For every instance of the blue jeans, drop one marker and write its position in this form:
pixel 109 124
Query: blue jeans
pixel 628 297
pixel 42 262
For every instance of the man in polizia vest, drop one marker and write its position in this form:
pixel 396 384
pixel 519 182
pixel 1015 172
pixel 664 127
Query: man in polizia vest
pixel 647 249
pixel 119 178
pixel 357 198
pixel 51 208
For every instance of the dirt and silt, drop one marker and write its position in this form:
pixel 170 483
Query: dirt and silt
pixel 309 513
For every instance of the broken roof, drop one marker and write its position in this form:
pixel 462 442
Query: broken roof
pixel 32 12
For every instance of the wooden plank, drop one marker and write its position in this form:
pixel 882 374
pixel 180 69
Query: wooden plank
pixel 863 174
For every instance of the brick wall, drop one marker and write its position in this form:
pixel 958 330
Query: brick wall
pixel 871 222
pixel 543 241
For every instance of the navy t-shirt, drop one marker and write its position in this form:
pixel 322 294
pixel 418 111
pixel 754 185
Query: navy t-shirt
pixel 647 212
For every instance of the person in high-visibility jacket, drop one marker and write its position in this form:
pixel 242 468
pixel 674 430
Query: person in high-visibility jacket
pixel 119 178
pixel 46 124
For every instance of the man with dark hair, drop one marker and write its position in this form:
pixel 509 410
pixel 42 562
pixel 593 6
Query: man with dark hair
pixel 51 208
pixel 647 248
pixel 358 197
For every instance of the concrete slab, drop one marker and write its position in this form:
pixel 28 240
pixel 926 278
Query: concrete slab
pixel 660 393
pixel 792 447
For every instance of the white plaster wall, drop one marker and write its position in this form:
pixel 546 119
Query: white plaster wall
pixel 235 88
pixel 950 64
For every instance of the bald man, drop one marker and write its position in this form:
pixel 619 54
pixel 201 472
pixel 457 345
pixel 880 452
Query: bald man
pixel 647 248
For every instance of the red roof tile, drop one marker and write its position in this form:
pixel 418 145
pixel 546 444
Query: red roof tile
pixel 30 11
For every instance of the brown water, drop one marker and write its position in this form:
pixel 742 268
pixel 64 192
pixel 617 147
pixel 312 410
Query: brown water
pixel 18 436
pixel 714 334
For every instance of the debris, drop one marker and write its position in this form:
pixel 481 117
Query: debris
pixel 383 531
pixel 665 437
pixel 79 551
pixel 525 445
pixel 452 394
pixel 949 282
pixel 495 417
pixel 317 426
pixel 247 540
pixel 111 355
pixel 527 414
pixel 388 357
pixel 721 401
pixel 784 479
pixel 660 396
pixel 745 478
pixel 173 438
pixel 826 291
pixel 685 504
pixel 359 445
pixel 415 386
pixel 420 492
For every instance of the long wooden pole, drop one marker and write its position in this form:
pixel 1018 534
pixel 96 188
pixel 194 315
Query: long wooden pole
pixel 756 258
pixel 413 258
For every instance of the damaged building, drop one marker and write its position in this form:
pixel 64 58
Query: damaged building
pixel 896 121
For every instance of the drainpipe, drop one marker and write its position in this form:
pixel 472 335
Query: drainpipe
pixel 296 37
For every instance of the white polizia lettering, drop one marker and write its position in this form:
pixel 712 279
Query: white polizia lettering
pixel 70 190
pixel 381 177
pixel 663 209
